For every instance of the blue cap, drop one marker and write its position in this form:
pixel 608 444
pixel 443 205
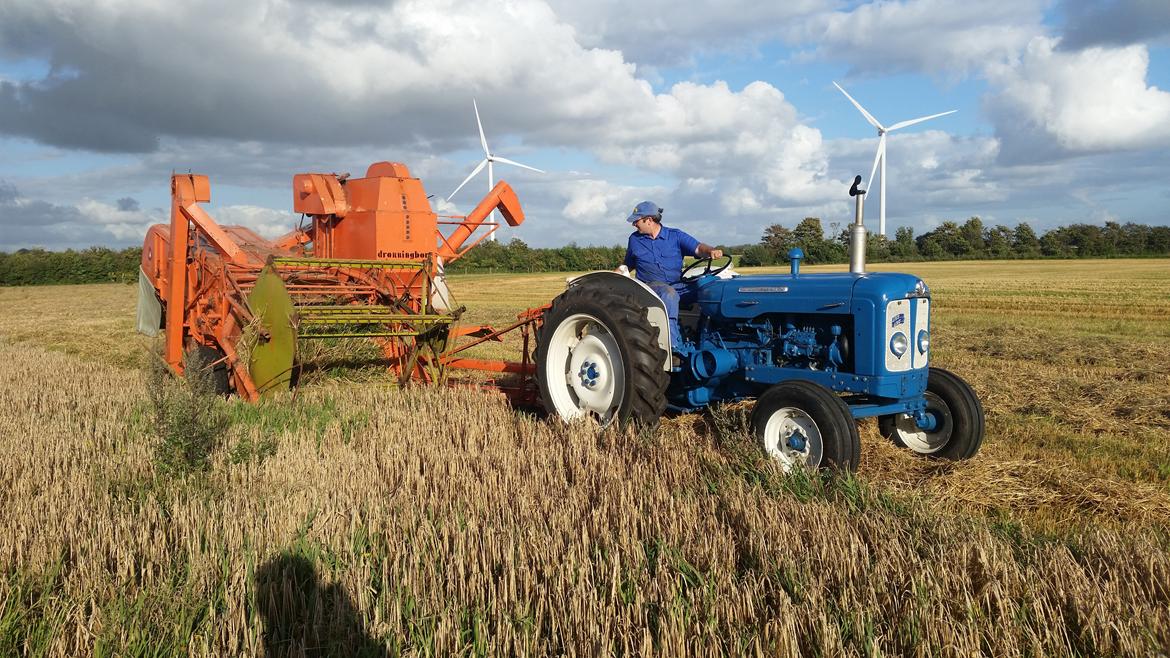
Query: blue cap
pixel 645 209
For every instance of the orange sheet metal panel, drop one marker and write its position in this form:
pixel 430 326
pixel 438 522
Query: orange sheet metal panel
pixel 388 218
pixel 318 194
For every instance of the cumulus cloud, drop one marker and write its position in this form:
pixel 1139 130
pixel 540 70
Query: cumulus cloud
pixel 1053 102
pixel 599 202
pixel 26 223
pixel 939 37
pixel 264 90
pixel 272 74
pixel 266 222
pixel 661 33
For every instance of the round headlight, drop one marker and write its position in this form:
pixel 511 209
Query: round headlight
pixel 923 341
pixel 898 344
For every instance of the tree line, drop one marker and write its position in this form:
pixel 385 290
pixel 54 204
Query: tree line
pixel 949 241
pixel 970 240
pixel 28 267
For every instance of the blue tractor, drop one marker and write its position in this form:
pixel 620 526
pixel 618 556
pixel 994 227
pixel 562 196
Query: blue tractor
pixel 817 351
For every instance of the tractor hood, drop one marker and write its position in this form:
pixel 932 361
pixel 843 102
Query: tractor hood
pixel 746 297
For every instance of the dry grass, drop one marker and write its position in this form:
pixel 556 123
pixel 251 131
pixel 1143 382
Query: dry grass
pixel 436 522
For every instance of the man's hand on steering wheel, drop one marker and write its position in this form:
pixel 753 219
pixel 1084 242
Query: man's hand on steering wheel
pixel 691 272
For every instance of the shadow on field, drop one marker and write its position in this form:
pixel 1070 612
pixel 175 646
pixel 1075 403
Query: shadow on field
pixel 302 618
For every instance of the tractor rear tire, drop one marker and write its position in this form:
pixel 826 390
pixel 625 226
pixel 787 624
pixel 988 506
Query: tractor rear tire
pixel 598 356
pixel 202 356
pixel 958 415
pixel 801 423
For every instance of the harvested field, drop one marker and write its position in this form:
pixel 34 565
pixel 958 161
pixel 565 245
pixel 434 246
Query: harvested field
pixel 358 519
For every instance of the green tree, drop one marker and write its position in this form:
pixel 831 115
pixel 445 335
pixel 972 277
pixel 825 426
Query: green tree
pixel 945 241
pixel 972 233
pixel 809 235
pixel 756 255
pixel 1024 241
pixel 779 239
pixel 903 248
pixel 999 242
pixel 877 248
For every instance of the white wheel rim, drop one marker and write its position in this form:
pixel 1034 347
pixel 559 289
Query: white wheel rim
pixel 584 371
pixel 793 438
pixel 917 439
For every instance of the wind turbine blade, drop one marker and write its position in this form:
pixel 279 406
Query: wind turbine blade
pixel 491 175
pixel 868 117
pixel 475 171
pixel 482 139
pixel 877 157
pixel 911 122
pixel 516 164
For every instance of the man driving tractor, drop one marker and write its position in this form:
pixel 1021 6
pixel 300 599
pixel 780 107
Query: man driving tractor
pixel 655 253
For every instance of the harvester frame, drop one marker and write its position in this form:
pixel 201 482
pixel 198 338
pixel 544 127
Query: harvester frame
pixel 369 265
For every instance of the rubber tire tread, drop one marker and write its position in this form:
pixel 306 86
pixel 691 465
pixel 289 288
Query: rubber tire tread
pixel 220 380
pixel 642 358
pixel 841 440
pixel 966 414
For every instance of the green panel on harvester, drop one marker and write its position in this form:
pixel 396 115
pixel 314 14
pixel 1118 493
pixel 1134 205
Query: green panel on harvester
pixel 271 361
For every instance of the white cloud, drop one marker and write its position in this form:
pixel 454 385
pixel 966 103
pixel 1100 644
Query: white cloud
pixel 272 73
pixel 941 37
pixel 1095 99
pixel 122 225
pixel 601 203
pixel 282 86
pixel 663 32
pixel 266 222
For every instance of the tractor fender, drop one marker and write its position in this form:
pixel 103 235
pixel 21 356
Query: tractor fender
pixel 655 308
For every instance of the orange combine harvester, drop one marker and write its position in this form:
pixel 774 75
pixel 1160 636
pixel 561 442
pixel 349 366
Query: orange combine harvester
pixel 366 263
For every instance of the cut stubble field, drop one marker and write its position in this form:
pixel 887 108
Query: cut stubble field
pixel 355 518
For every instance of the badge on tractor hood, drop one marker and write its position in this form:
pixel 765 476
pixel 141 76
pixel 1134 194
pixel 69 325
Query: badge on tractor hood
pixel 764 289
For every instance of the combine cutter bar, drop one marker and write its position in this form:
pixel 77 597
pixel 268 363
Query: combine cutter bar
pixel 363 315
pixel 360 334
pixel 317 320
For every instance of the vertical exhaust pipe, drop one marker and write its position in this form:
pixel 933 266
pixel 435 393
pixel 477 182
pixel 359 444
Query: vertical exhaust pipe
pixel 857 230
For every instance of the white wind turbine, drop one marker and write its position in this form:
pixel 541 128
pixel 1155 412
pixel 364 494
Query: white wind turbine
pixel 487 161
pixel 881 150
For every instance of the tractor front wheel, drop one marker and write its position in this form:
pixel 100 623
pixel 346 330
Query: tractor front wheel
pixel 803 424
pixel 954 415
pixel 597 356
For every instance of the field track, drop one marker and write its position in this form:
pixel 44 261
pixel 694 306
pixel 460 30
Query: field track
pixel 358 519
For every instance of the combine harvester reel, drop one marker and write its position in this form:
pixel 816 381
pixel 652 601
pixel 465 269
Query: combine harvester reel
pixel 817 352
pixel 368 265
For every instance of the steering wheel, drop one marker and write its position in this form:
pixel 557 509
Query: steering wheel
pixel 691 273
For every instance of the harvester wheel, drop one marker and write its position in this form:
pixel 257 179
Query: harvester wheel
pixel 202 356
pixel 956 418
pixel 801 423
pixel 597 356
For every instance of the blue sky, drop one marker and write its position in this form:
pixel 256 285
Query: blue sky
pixel 723 113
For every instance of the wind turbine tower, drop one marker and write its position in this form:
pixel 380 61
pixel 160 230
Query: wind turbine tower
pixel 488 160
pixel 880 156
